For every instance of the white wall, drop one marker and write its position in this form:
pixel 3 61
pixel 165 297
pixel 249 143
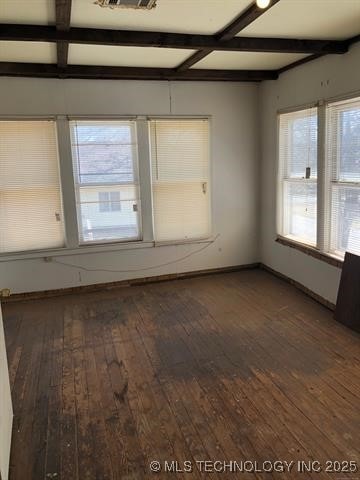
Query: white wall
pixel 234 111
pixel 324 78
pixel 6 412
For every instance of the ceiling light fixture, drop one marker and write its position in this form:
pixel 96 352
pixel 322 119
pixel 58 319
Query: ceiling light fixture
pixel 263 3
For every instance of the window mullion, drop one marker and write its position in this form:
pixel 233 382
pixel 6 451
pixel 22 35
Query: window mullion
pixel 67 182
pixel 322 200
pixel 145 179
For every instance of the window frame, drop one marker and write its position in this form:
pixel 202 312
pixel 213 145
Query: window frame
pixel 282 179
pixel 333 159
pixel 136 183
pixel 72 245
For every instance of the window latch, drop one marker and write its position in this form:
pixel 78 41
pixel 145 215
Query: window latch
pixel 308 172
pixel 204 187
pixel 57 217
pixel 135 207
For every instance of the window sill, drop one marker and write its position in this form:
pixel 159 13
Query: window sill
pixel 167 243
pixel 313 252
pixel 96 248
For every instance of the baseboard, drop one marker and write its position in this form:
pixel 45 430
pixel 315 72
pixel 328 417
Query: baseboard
pixel 299 286
pixel 19 297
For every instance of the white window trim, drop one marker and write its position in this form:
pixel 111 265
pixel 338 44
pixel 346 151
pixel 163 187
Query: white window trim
pixel 67 183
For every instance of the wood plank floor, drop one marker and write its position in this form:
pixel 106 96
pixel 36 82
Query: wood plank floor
pixel 233 367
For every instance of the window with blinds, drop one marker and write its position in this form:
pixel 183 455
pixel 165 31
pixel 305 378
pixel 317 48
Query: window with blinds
pixel 180 178
pixel 106 180
pixel 30 197
pixel 298 175
pixel 343 179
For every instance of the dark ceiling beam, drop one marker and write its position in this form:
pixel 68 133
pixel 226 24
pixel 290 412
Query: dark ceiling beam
pixel 302 61
pixel 352 40
pixel 208 43
pixel 133 73
pixel 195 58
pixel 63 15
pixel 243 20
pixel 346 43
pixel 230 31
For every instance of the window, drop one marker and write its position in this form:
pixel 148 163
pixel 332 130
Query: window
pixel 106 180
pixel 101 181
pixel 30 199
pixel 109 202
pixel 298 175
pixel 343 185
pixel 180 178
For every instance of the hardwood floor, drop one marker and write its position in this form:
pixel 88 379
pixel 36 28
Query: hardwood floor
pixel 230 367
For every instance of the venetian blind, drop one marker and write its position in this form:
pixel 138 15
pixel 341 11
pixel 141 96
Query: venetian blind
pixel 343 179
pixel 298 175
pixel 180 178
pixel 30 197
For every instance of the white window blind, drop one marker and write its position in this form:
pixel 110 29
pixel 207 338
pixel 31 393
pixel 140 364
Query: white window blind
pixel 106 179
pixel 30 199
pixel 343 185
pixel 298 175
pixel 180 178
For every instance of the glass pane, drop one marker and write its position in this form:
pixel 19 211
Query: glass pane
pixel 345 219
pixel 115 203
pixel 350 145
pixel 300 209
pixel 303 147
pixel 105 163
pixel 100 221
pixel 103 133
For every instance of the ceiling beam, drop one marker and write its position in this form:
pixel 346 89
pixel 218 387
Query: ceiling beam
pixel 347 43
pixel 302 61
pixel 133 73
pixel 352 40
pixel 243 20
pixel 239 23
pixel 207 43
pixel 63 15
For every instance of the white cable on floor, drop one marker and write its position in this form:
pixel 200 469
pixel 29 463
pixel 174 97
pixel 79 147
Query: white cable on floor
pixel 79 267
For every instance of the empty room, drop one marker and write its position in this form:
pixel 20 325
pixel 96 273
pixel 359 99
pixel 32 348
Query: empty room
pixel 179 239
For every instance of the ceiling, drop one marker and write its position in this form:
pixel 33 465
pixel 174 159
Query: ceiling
pixel 126 56
pixel 286 19
pixel 248 60
pixel 318 19
pixel 181 16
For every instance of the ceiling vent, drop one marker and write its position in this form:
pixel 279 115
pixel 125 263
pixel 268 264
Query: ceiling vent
pixel 140 4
